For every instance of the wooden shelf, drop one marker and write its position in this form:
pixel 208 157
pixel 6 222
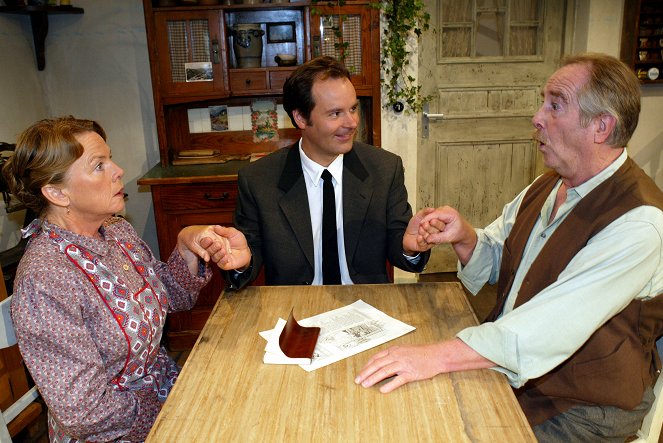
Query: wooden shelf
pixel 642 42
pixel 39 21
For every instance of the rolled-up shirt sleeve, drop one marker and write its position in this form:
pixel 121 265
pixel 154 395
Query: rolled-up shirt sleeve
pixel 484 265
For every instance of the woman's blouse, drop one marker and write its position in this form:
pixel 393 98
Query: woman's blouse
pixel 88 330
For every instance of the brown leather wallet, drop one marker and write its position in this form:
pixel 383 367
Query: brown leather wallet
pixel 298 341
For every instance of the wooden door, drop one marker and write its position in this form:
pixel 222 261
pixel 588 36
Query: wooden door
pixel 484 66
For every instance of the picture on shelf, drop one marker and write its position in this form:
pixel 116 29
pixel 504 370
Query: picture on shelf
pixel 218 116
pixel 264 120
pixel 281 32
pixel 198 71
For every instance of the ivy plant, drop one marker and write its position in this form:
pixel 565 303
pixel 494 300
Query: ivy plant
pixel 403 19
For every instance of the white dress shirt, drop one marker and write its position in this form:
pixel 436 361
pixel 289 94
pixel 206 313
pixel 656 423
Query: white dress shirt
pixel 313 178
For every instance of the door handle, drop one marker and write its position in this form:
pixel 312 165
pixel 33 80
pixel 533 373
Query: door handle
pixel 210 197
pixel 215 51
pixel 426 118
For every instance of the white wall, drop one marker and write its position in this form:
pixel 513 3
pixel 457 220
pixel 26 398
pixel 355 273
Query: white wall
pixel 97 67
pixel 21 100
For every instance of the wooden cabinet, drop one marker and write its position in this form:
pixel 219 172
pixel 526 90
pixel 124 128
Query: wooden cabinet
pixel 195 69
pixel 642 39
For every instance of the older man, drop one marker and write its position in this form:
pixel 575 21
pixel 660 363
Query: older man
pixel 577 261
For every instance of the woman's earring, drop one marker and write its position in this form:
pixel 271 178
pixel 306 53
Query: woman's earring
pixel 68 211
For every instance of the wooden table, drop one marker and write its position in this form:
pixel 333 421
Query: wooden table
pixel 225 393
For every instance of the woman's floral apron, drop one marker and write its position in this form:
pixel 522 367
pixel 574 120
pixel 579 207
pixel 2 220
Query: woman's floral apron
pixel 140 317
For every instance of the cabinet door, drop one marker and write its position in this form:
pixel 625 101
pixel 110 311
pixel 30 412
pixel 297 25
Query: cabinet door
pixel 191 53
pixel 345 34
pixel 351 34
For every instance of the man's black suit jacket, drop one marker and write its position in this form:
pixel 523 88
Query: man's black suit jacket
pixel 273 213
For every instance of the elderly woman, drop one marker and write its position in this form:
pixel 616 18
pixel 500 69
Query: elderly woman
pixel 90 299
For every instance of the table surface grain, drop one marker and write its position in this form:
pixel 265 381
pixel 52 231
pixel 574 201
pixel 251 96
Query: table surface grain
pixel 225 392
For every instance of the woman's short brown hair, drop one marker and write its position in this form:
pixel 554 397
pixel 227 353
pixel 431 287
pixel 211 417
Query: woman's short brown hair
pixel 44 152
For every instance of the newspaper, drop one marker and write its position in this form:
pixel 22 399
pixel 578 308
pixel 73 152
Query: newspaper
pixel 345 331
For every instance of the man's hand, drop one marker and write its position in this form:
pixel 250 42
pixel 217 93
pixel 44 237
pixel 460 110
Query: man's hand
pixel 419 362
pixel 413 241
pixel 235 253
pixel 226 247
pixel 446 225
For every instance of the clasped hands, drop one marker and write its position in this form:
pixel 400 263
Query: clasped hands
pixel 433 226
pixel 228 249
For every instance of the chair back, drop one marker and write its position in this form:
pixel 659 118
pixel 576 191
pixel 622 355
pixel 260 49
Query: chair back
pixel 7 335
pixel 7 339
pixel 651 425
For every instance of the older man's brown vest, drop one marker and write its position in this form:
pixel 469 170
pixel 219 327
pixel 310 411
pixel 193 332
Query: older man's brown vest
pixel 618 362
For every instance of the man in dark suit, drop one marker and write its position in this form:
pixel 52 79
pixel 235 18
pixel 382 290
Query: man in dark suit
pixel 279 214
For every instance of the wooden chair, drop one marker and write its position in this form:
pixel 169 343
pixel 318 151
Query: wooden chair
pixel 18 412
pixel 651 426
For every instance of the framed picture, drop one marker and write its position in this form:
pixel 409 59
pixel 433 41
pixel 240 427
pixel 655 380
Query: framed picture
pixel 264 120
pixel 218 116
pixel 198 71
pixel 281 32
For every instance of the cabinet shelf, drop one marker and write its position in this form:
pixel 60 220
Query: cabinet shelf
pixel 39 22
pixel 239 7
pixel 642 35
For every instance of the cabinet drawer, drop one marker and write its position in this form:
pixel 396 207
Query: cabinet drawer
pixel 277 79
pixel 193 196
pixel 248 81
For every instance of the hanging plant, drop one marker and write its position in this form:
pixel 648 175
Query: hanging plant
pixel 403 19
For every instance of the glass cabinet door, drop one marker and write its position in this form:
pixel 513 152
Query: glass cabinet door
pixel 191 53
pixel 345 34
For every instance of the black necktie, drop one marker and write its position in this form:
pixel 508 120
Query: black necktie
pixel 331 274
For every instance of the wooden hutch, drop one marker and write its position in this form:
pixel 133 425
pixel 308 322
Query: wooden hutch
pixel 642 39
pixel 189 38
